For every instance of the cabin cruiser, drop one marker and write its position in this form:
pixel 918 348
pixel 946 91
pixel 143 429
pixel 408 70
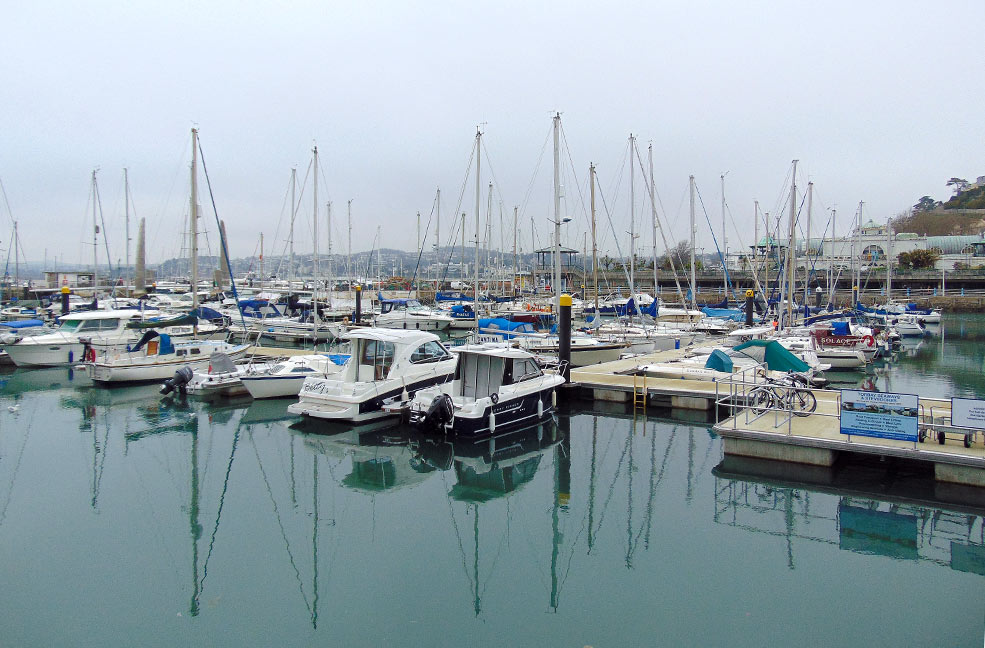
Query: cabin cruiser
pixel 412 315
pixel 385 363
pixel 284 378
pixel 103 330
pixel 494 388
pixel 155 357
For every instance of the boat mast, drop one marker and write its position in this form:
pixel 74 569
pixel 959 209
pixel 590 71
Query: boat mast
pixel 831 259
pixel 858 237
pixel 126 216
pixel 632 221
pixel 791 241
pixel 330 283
pixel 478 197
pixel 516 216
pixel 807 243
pixel 437 237
pixel 348 262
pixel 95 236
pixel 261 261
pixel 653 216
pixel 724 247
pixel 694 281
pixel 595 261
pixel 889 261
pixel 755 238
pixel 314 237
pixel 489 236
pixel 290 238
pixel 557 214
pixel 193 221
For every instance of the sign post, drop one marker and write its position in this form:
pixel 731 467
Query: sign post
pixel 880 415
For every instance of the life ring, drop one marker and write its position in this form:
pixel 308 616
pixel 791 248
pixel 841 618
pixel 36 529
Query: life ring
pixel 869 340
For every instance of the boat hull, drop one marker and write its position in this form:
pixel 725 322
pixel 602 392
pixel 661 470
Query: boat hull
pixel 273 386
pixel 149 371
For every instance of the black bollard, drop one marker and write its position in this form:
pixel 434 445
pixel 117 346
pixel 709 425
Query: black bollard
pixel 359 304
pixel 65 293
pixel 564 336
pixel 750 307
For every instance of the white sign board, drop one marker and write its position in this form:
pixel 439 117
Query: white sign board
pixel 968 413
pixel 879 414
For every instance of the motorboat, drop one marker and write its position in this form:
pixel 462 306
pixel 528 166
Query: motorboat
pixel 494 388
pixel 220 380
pixel 410 314
pixel 103 329
pixel 155 357
pixel 385 363
pixel 284 378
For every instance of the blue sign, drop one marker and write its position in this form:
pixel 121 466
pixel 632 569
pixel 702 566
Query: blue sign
pixel 880 415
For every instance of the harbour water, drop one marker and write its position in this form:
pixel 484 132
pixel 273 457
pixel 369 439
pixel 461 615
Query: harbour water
pixel 126 519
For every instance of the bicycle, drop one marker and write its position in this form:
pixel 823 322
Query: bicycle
pixel 789 393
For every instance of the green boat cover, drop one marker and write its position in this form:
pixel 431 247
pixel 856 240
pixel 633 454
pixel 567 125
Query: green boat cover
pixel 719 361
pixel 773 355
pixel 185 319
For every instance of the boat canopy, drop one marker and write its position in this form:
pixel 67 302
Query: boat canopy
pixel 773 355
pixel 505 328
pixel 165 347
pixel 840 328
pixel 258 308
pixel 19 324
pixel 221 363
pixel 719 361
pixel 733 314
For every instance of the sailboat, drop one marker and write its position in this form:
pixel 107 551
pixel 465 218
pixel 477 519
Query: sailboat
pixel 155 356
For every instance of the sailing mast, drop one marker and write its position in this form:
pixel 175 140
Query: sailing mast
pixel 791 241
pixel 694 283
pixel 478 197
pixel 632 222
pixel 348 262
pixel 807 243
pixel 126 216
pixel 95 239
pixel 314 261
pixel 290 238
pixel 556 281
pixel 595 261
pixel 653 216
pixel 193 223
pixel 724 247
pixel 516 211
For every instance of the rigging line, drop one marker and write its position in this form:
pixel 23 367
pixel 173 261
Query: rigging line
pixel 458 208
pixel 571 162
pixel 222 239
pixel 721 253
pixel 612 486
pixel 533 178
pixel 218 515
pixel 280 523
pixel 280 221
pixel 102 221
pixel 6 202
pixel 420 252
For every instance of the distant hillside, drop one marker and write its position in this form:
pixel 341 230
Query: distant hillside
pixel 941 222
pixel 972 198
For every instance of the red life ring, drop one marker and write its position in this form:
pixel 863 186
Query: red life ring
pixel 869 340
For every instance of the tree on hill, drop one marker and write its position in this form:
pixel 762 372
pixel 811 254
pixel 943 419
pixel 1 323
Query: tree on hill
pixel 926 203
pixel 957 185
pixel 918 259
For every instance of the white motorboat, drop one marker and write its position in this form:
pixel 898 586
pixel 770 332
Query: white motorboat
pixel 284 378
pixel 384 364
pixel 220 380
pixel 410 314
pixel 155 357
pixel 494 388
pixel 104 329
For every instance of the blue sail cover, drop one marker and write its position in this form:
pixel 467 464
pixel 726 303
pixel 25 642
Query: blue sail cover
pixel 733 314
pixel 19 324
pixel 258 308
pixel 840 328
pixel 504 327
pixel 719 361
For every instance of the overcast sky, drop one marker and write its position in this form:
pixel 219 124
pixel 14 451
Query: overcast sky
pixel 881 102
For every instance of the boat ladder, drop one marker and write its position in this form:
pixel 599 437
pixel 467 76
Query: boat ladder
pixel 639 392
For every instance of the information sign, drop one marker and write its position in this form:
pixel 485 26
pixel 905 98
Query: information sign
pixel 879 414
pixel 968 413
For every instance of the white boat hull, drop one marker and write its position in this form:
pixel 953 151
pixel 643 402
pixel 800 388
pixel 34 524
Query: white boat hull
pixel 143 369
pixel 273 386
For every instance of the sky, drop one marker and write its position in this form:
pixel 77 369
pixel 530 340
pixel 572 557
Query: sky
pixel 880 102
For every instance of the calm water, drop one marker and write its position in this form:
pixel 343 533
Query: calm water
pixel 128 520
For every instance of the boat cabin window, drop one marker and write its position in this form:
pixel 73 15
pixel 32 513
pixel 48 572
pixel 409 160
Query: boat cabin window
pixel 69 326
pixel 519 369
pixel 99 325
pixel 375 359
pixel 180 352
pixel 195 351
pixel 429 352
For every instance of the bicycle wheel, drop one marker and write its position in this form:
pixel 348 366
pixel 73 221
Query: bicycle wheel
pixel 760 400
pixel 804 402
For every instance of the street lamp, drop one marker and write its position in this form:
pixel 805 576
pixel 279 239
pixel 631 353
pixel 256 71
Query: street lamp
pixel 556 281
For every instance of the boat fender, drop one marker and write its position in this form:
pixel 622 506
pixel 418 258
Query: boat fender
pixel 540 407
pixel 492 421
pixel 869 340
pixel 494 397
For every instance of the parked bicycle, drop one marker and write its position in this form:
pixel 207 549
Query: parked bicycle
pixel 791 392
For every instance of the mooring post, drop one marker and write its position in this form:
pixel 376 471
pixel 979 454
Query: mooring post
pixel 359 304
pixel 65 293
pixel 564 336
pixel 749 306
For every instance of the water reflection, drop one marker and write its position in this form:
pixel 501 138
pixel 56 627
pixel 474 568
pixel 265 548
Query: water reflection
pixel 763 498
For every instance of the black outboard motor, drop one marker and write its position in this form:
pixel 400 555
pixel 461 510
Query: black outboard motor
pixel 440 413
pixel 181 378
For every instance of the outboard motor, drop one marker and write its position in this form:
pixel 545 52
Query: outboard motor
pixel 181 378
pixel 440 413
